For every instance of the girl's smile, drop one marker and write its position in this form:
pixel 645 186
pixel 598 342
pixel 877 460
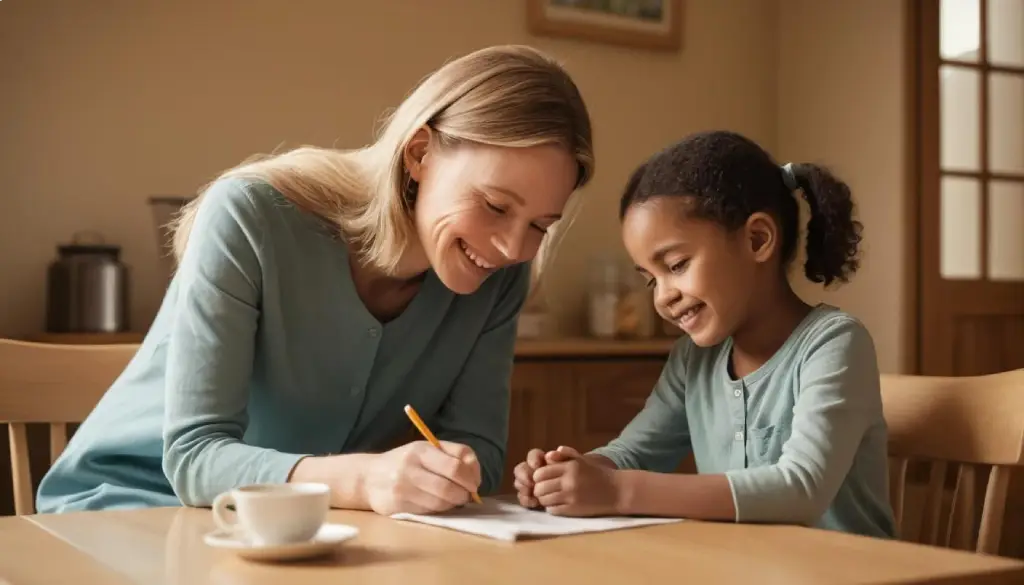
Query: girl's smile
pixel 687 321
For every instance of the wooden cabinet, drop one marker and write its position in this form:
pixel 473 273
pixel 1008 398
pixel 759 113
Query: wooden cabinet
pixel 577 398
pixel 610 394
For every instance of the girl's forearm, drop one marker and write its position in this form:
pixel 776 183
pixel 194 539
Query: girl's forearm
pixel 676 495
pixel 600 460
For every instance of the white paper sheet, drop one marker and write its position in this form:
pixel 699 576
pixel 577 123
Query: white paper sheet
pixel 508 521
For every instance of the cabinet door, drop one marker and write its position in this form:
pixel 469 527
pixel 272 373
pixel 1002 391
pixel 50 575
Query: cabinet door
pixel 610 394
pixel 541 413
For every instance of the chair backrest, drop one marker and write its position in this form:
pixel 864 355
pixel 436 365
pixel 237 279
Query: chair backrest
pixel 955 423
pixel 54 384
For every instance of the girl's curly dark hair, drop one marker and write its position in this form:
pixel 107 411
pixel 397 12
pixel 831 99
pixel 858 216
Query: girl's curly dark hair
pixel 729 177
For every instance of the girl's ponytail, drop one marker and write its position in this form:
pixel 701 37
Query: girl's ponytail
pixel 832 234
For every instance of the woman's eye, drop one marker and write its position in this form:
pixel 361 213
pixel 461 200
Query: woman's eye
pixel 539 228
pixel 495 208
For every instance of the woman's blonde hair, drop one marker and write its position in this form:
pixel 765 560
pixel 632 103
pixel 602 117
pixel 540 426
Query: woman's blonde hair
pixel 511 96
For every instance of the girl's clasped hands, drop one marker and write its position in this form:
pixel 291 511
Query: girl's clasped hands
pixel 566 483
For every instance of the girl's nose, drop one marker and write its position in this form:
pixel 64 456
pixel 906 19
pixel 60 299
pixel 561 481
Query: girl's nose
pixel 666 294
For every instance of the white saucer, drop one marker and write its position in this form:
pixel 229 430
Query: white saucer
pixel 326 540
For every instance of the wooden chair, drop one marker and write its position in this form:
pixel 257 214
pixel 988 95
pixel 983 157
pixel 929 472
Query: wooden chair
pixel 961 423
pixel 54 384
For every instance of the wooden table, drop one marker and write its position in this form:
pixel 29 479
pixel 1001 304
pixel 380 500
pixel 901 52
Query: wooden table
pixel 166 546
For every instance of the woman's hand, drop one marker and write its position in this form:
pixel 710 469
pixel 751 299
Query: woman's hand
pixel 570 484
pixel 421 479
pixel 523 473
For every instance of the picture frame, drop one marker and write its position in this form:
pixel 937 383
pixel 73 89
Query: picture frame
pixel 646 24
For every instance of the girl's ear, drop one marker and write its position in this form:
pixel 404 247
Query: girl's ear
pixel 762 236
pixel 415 153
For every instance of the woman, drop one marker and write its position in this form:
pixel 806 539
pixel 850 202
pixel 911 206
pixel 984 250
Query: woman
pixel 319 291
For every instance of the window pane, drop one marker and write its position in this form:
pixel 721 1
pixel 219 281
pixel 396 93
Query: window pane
pixel 1006 230
pixel 1006 32
pixel 960 229
pixel 1006 122
pixel 959 30
pixel 958 102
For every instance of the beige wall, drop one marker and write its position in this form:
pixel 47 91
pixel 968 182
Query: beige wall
pixel 841 102
pixel 103 108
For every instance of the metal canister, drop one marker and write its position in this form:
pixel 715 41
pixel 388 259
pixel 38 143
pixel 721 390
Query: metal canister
pixel 87 288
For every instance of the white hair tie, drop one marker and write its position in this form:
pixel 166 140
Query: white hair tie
pixel 789 177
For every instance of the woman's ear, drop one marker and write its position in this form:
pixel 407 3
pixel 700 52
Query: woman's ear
pixel 762 235
pixel 416 152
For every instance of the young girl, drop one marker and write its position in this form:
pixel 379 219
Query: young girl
pixel 777 399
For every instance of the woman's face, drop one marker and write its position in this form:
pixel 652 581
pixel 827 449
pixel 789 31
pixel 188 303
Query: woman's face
pixel 480 208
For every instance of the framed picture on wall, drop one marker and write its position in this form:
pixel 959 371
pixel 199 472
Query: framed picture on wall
pixel 647 24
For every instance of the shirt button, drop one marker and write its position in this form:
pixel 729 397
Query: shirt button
pixel 355 390
pixel 737 393
pixel 739 435
pixel 372 331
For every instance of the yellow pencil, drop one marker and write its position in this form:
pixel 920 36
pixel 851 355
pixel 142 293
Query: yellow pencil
pixel 422 427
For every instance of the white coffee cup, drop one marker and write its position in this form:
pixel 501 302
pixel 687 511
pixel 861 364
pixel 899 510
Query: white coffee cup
pixel 274 514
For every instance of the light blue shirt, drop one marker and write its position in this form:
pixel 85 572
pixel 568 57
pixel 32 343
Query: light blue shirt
pixel 801 440
pixel 262 352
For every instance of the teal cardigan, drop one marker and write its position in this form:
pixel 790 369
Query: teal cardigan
pixel 801 440
pixel 263 353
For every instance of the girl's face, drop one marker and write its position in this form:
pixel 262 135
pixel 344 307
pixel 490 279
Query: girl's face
pixel 480 208
pixel 703 276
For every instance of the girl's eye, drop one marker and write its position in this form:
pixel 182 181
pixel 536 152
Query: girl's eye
pixel 495 208
pixel 650 283
pixel 540 229
pixel 679 266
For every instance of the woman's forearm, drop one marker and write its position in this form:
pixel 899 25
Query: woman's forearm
pixel 345 474
pixel 676 495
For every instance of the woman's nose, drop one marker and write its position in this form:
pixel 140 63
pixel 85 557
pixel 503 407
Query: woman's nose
pixel 510 243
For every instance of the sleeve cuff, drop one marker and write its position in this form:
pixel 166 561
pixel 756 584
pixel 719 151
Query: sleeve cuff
pixel 763 495
pixel 620 458
pixel 732 479
pixel 278 467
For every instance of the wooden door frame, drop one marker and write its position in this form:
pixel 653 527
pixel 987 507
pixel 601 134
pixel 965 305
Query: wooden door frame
pixel 914 266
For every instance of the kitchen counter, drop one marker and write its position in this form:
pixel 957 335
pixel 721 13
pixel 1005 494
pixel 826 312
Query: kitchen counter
pixel 555 347
pixel 585 347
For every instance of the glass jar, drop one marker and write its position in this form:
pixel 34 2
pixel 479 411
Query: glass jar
pixel 603 298
pixel 534 319
pixel 636 317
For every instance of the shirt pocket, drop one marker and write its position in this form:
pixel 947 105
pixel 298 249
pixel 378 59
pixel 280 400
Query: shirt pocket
pixel 764 444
